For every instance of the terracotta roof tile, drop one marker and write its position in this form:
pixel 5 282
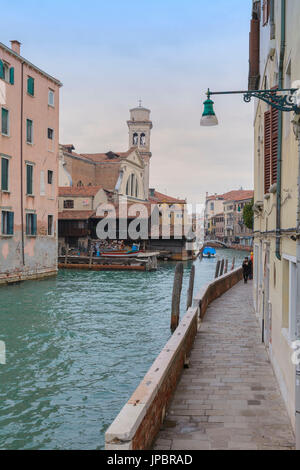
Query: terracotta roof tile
pixel 163 198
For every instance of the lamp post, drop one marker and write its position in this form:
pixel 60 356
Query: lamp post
pixel 284 99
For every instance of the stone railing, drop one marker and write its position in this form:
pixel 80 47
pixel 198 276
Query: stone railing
pixel 139 422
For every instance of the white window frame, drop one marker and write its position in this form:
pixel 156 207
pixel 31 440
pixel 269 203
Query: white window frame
pixel 51 93
pixel 32 132
pixel 292 329
pixel 8 122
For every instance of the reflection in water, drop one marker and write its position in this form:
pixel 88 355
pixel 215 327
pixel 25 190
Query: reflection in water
pixel 76 348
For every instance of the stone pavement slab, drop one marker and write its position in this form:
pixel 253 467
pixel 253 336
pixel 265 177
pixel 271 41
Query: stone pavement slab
pixel 229 397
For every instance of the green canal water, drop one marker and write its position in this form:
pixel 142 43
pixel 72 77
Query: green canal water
pixel 77 346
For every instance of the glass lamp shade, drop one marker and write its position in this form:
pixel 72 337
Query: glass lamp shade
pixel 209 117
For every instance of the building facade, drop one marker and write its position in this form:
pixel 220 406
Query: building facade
pixel 29 136
pixel 274 63
pixel 223 218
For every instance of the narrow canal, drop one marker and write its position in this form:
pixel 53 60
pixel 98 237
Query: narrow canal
pixel 76 348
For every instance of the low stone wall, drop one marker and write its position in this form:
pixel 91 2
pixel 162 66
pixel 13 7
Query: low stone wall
pixel 25 276
pixel 139 422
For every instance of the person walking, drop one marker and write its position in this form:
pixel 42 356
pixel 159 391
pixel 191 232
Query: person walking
pixel 246 270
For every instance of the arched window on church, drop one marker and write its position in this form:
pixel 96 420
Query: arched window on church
pixel 136 189
pixel 135 139
pixel 143 139
pixel 132 186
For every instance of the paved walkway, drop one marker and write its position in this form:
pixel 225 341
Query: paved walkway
pixel 229 397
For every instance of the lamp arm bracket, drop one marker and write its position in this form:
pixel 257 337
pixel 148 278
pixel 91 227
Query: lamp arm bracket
pixel 284 102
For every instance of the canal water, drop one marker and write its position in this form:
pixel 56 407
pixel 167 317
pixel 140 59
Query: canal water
pixel 77 346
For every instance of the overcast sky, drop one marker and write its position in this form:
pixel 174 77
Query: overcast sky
pixel 166 52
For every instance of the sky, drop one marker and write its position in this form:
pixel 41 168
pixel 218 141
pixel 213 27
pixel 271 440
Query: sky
pixel 166 53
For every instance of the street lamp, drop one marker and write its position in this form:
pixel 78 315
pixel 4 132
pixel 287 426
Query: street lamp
pixel 285 99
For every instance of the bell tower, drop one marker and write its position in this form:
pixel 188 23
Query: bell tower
pixel 140 127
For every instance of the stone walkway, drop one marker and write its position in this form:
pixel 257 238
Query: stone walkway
pixel 229 397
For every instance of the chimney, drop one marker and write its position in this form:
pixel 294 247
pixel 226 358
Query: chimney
pixel 16 46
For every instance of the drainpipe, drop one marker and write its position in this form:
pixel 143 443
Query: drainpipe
pixel 21 159
pixel 280 120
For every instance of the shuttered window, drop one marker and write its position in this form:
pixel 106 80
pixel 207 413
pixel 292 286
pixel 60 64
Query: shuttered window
pixel 4 173
pixel 29 131
pixel 5 121
pixel 7 223
pixel 12 76
pixel 266 11
pixel 29 180
pixel 31 224
pixel 270 148
pixel 30 86
pixel 1 69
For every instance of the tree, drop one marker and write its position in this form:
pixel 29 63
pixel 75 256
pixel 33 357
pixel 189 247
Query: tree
pixel 248 215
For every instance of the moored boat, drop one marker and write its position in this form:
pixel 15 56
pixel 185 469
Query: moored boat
pixel 209 252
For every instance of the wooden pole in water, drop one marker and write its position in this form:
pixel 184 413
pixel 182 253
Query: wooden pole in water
pixel 91 255
pixel 233 264
pixel 217 269
pixel 67 252
pixel 191 288
pixel 177 287
pixel 222 267
pixel 226 266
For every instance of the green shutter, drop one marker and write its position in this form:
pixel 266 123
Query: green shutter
pixel 34 224
pixel 1 69
pixel 10 223
pixel 29 174
pixel 30 86
pixel 12 76
pixel 5 121
pixel 27 224
pixel 2 222
pixel 4 174
pixel 29 131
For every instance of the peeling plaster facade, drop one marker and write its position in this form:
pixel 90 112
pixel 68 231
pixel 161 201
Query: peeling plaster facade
pixel 28 94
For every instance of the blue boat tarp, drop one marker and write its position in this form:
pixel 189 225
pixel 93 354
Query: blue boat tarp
pixel 208 250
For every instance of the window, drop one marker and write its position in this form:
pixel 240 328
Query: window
pixel 50 133
pixel 31 225
pixel 270 148
pixel 51 98
pixel 132 187
pixel 5 121
pixel 4 173
pixel 30 86
pixel 143 140
pixel 29 179
pixel 29 131
pixel 135 139
pixel 212 206
pixel 69 204
pixel 80 184
pixel 50 176
pixel 266 11
pixel 50 225
pixel 7 223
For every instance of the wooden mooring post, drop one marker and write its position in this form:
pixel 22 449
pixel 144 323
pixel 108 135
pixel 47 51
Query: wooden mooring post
pixel 177 287
pixel 190 291
pixel 222 267
pixel 67 253
pixel 233 264
pixel 218 269
pixel 226 267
